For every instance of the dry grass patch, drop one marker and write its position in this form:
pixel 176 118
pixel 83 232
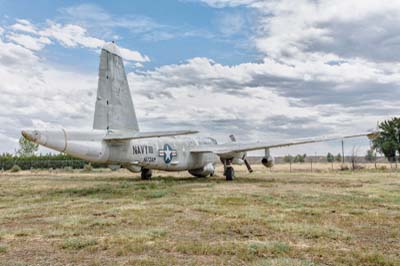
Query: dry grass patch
pixel 266 218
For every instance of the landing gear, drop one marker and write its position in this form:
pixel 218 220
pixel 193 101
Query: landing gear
pixel 146 174
pixel 229 172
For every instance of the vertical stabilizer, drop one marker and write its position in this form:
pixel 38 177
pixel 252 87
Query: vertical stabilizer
pixel 114 108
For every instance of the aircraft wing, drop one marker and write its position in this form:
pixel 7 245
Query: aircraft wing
pixel 230 149
pixel 127 135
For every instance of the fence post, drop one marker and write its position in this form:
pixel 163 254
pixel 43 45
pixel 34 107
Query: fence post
pixel 342 152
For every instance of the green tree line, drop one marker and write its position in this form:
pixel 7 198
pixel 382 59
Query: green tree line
pixel 47 161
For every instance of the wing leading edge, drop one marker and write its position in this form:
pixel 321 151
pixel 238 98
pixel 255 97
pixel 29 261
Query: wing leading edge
pixel 237 147
pixel 127 135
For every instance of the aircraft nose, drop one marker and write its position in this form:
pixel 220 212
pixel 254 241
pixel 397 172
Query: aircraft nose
pixel 32 135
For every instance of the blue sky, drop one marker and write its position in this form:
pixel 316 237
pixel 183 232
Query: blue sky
pixel 172 31
pixel 263 70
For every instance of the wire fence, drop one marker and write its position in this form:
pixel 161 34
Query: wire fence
pixel 66 162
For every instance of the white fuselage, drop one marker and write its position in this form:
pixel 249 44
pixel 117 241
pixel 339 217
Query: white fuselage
pixel 164 153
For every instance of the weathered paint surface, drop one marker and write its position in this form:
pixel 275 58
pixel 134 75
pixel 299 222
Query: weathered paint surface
pixel 170 154
pixel 114 107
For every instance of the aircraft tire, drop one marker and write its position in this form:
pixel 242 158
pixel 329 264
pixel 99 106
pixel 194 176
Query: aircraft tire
pixel 146 174
pixel 229 173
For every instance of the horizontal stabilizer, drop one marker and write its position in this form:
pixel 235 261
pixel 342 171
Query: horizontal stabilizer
pixel 126 135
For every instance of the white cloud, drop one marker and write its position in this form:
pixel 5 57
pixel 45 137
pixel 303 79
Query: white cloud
pixel 34 92
pixel 326 46
pixel 287 30
pixel 32 43
pixel 91 15
pixel 74 35
pixel 138 65
pixel 71 35
pixel 24 26
pixel 99 20
pixel 68 35
pixel 133 55
pixel 231 23
pixel 353 28
pixel 15 55
pixel 207 92
pixel 230 3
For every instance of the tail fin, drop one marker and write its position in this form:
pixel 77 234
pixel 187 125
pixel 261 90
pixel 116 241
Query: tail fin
pixel 114 108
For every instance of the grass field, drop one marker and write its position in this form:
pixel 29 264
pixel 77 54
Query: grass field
pixel 264 218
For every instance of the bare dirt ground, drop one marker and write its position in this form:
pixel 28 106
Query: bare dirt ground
pixel 266 218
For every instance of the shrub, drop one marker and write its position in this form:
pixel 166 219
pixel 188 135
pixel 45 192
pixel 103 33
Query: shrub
pixel 68 169
pixel 280 248
pixel 344 168
pixel 87 168
pixel 15 168
pixel 3 249
pixel 78 243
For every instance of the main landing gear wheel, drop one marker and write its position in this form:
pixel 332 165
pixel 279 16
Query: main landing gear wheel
pixel 229 173
pixel 146 174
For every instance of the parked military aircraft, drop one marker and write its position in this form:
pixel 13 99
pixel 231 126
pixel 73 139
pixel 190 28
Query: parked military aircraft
pixel 117 140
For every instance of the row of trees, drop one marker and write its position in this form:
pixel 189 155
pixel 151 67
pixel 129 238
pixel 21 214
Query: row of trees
pixel 54 161
pixel 330 158
pixel 386 142
pixel 301 158
pixel 7 161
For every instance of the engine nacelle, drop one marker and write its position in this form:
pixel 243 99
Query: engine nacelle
pixel 133 168
pixel 237 161
pixel 203 172
pixel 267 161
